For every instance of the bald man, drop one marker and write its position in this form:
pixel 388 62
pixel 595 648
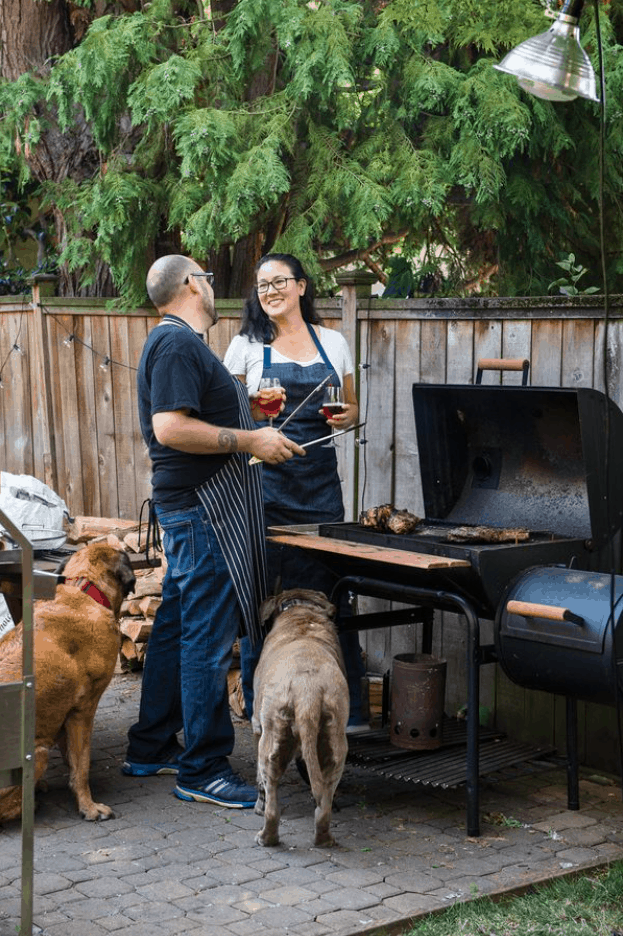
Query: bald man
pixel 196 422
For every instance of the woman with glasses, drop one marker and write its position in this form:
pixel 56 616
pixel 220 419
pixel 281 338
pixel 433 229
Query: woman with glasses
pixel 281 337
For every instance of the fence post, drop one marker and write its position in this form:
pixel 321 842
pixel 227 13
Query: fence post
pixel 44 452
pixel 356 285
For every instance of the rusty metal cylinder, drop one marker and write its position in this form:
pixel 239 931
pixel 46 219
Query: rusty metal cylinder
pixel 417 701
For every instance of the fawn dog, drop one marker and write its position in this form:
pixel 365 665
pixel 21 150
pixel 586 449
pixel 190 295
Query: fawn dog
pixel 76 643
pixel 301 706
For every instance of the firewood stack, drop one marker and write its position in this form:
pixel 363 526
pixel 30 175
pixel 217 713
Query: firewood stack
pixel 139 608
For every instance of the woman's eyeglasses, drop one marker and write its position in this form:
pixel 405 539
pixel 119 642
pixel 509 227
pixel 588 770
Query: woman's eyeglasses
pixel 279 283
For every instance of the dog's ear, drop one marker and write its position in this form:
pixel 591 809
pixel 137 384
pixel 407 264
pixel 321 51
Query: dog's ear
pixel 268 608
pixel 126 574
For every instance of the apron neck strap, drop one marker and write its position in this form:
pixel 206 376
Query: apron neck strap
pixel 315 339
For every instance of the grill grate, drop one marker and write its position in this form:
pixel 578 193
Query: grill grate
pixel 445 766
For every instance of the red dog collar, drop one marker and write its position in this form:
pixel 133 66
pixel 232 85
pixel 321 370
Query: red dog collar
pixel 90 589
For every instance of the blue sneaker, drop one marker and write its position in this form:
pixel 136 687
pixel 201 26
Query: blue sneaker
pixel 134 769
pixel 228 789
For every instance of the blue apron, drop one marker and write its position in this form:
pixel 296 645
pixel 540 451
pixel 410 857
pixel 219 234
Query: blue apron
pixel 302 490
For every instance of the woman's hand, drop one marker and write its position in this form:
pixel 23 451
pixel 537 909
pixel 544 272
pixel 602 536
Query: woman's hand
pixel 261 397
pixel 346 418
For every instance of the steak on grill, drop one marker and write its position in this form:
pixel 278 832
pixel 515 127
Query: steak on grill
pixel 386 519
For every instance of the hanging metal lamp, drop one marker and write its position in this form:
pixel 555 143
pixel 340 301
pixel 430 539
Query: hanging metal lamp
pixel 553 65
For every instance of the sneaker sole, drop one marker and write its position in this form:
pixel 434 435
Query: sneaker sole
pixel 197 797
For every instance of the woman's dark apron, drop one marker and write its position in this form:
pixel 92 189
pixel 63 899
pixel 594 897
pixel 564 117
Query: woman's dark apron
pixel 232 499
pixel 301 490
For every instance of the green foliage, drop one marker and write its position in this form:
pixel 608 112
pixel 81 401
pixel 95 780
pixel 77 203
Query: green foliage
pixel 325 127
pixel 568 285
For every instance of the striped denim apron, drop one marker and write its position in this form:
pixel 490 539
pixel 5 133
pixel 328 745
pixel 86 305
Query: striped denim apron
pixel 233 501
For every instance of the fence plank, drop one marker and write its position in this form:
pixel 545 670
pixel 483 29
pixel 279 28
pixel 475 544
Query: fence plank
pixel 138 329
pixel 106 441
pixel 124 407
pixel 85 363
pixel 546 354
pixel 67 414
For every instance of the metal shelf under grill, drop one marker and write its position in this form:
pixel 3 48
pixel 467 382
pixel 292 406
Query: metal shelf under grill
pixel 443 767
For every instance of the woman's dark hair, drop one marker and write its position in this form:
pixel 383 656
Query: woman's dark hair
pixel 255 323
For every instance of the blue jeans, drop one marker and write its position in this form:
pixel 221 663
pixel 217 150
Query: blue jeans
pixel 189 654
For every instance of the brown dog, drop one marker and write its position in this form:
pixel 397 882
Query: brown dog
pixel 301 706
pixel 76 642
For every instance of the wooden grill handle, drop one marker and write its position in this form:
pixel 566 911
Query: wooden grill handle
pixel 514 364
pixel 549 612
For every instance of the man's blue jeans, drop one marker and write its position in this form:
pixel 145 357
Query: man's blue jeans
pixel 189 654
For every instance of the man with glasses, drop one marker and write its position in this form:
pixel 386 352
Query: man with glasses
pixel 196 421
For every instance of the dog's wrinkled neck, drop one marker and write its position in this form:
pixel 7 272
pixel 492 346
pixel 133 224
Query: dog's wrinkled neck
pixel 90 589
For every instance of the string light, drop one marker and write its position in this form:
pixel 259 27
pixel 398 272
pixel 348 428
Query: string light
pixel 71 340
pixel 18 350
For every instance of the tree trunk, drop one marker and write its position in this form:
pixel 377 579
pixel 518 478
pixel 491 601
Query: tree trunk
pixel 32 32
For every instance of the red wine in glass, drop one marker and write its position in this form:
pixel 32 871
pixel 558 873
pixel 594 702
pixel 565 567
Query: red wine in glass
pixel 271 405
pixel 332 402
pixel 331 409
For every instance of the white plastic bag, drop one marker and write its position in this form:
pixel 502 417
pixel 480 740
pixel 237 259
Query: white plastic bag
pixel 6 621
pixel 34 508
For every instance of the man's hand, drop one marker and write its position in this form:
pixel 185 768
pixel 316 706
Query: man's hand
pixel 272 446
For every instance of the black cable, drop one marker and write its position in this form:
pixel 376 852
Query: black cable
pixel 73 337
pixel 611 556
pixel 14 346
pixel 365 366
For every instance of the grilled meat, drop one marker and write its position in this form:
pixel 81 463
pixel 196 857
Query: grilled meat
pixel 486 534
pixel 386 519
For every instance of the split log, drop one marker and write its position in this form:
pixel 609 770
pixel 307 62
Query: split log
pixel 85 529
pixel 137 629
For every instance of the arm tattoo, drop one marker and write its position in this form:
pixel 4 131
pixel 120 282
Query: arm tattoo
pixel 227 440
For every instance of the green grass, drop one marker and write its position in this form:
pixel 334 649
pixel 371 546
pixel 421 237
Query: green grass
pixel 590 905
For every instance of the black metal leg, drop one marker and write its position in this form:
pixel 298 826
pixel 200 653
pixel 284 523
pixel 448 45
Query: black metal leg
pixel 451 602
pixel 573 787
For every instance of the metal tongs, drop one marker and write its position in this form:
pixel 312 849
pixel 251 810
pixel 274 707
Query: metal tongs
pixel 254 460
pixel 333 435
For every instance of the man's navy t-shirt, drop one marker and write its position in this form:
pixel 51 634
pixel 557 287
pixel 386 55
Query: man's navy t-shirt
pixel 178 371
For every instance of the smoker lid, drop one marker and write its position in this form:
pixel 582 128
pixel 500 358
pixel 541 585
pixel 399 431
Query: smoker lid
pixel 521 456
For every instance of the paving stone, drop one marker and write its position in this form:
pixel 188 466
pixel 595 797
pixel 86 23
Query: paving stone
pixel 565 820
pixel 74 928
pixel 166 889
pixel 154 911
pixel 409 903
pixel 104 887
pixel 281 919
pixel 576 856
pixel 413 881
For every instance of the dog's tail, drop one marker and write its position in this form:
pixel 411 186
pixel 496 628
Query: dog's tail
pixel 317 719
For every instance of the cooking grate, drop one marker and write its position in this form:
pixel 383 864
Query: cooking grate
pixel 445 766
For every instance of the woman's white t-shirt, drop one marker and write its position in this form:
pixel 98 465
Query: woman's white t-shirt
pixel 245 357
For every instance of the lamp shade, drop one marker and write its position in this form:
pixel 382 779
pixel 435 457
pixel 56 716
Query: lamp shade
pixel 553 65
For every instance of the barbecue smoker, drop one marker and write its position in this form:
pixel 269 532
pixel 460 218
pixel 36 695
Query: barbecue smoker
pixel 531 459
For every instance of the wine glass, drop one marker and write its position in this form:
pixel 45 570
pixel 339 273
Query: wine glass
pixel 332 402
pixel 270 403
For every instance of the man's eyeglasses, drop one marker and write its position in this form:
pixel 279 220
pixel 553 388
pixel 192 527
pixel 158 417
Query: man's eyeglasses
pixel 279 283
pixel 208 276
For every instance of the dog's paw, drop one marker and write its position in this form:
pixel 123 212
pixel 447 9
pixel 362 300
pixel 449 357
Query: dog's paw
pixel 267 840
pixel 96 812
pixel 325 840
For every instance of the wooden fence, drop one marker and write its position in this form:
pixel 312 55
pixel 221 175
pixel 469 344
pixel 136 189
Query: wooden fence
pixel 68 416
